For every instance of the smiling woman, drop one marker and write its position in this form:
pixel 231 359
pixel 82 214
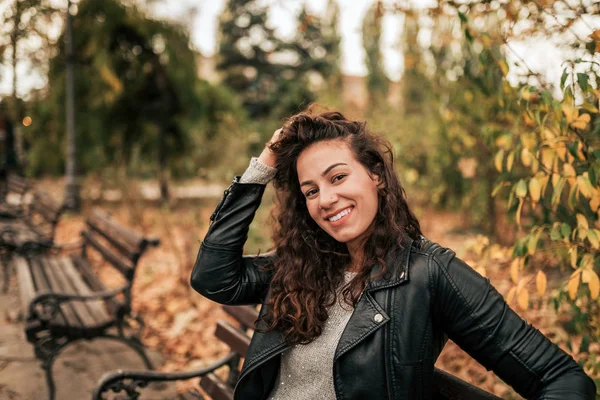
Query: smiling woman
pixel 357 303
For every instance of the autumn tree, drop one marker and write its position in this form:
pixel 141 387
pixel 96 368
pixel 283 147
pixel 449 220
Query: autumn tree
pixel 377 81
pixel 246 45
pixel 25 41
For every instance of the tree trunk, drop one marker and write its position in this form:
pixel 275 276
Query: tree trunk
pixel 72 189
pixel 17 114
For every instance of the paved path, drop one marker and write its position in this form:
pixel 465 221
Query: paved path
pixel 76 370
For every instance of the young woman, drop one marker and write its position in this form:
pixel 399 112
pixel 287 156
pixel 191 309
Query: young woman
pixel 357 303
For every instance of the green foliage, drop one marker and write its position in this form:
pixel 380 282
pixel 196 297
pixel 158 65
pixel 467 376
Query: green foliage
pixel 138 98
pixel 377 81
pixel 25 39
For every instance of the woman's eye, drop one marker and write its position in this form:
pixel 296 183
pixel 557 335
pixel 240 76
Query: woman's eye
pixel 338 177
pixel 310 192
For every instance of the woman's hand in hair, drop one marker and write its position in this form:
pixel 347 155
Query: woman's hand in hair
pixel 267 157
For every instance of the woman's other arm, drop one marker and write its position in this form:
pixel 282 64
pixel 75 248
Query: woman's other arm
pixel 477 318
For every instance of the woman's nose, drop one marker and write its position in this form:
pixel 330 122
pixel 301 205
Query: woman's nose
pixel 327 199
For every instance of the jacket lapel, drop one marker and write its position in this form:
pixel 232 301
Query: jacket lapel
pixel 369 315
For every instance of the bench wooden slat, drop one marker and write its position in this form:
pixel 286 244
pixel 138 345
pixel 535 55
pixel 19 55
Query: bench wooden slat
pixel 246 315
pixel 95 308
pixel 66 286
pixel 216 388
pixel 16 184
pixel 233 337
pixel 26 284
pixel 127 239
pixel 41 284
pixel 125 248
pixel 56 286
pixel 90 278
pixel 37 205
pixel 109 255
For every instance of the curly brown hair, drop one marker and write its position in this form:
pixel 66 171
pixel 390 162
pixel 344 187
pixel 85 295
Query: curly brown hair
pixel 309 264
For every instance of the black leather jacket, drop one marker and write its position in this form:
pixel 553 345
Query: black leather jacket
pixel 399 325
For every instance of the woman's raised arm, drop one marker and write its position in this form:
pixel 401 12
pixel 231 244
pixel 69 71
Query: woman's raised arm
pixel 221 272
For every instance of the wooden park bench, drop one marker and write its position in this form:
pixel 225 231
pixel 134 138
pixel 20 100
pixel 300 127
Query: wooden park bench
pixel 31 233
pixel 446 386
pixel 13 197
pixel 64 301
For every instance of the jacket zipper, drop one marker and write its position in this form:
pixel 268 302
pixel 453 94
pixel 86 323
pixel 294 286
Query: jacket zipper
pixel 220 204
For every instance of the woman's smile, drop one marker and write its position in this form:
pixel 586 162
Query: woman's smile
pixel 341 217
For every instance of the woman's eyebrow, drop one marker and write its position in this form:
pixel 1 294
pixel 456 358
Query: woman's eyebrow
pixel 332 166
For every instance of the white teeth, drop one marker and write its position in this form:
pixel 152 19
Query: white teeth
pixel 340 215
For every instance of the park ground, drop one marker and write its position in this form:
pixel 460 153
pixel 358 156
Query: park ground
pixel 180 323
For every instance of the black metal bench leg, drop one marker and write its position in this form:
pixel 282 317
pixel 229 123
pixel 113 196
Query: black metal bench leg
pixel 47 349
pixel 47 365
pixel 136 346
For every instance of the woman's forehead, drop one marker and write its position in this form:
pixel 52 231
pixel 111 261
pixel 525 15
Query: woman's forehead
pixel 319 157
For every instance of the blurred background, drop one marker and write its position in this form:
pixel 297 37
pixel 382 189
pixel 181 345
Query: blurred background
pixel 148 108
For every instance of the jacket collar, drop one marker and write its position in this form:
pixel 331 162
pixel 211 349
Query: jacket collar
pixel 267 345
pixel 397 267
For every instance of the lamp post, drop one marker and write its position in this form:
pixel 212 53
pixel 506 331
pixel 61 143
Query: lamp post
pixel 72 189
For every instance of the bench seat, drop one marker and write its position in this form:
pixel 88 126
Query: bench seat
pixel 58 274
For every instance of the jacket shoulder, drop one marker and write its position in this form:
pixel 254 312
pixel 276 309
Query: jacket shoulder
pixel 433 249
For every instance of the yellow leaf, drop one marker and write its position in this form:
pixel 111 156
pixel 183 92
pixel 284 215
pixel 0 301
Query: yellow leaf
pixel 573 284
pixel 555 179
pixel 582 222
pixel 587 262
pixel 593 238
pixel 535 189
pixel 528 118
pixel 573 253
pixel 518 215
pixel 526 157
pixel 523 299
pixel 580 154
pixel 548 135
pixel 481 271
pixel 584 187
pixel 568 170
pixel 595 35
pixel 510 160
pixel 498 160
pixel 570 112
pixel 581 122
pixel 591 278
pixel 561 150
pixel 514 270
pixel 540 282
pixel 547 157
pixel 595 201
pixel 511 294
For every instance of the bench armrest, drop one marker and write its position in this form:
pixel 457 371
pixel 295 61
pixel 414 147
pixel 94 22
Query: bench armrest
pixel 45 305
pixel 115 380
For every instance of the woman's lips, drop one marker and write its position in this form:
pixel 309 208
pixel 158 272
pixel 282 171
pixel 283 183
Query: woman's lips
pixel 343 219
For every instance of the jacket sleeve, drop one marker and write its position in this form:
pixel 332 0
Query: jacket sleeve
pixel 476 317
pixel 221 272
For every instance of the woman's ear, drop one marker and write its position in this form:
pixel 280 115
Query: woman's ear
pixel 378 181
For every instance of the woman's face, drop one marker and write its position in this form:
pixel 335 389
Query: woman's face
pixel 340 194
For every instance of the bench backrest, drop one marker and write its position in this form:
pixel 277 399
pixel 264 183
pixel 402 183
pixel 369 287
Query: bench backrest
pixel 44 213
pixel 121 247
pixel 16 184
pixel 446 386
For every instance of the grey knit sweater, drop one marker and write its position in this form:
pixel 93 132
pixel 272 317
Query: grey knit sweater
pixel 306 371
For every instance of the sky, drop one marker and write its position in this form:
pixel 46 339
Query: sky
pixel 541 56
pixel 282 17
